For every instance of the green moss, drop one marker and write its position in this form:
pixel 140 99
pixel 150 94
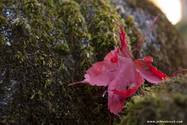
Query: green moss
pixel 45 45
pixel 63 48
pixel 2 39
pixel 50 47
pixel 133 32
pixel 164 101
pixel 99 14
pixel 181 27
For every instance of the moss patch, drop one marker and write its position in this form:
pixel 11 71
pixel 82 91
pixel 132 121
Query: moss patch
pixel 163 102
pixel 45 45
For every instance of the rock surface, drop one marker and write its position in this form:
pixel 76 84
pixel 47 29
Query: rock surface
pixel 45 45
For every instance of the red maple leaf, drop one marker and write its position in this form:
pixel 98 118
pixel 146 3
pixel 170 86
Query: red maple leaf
pixel 122 73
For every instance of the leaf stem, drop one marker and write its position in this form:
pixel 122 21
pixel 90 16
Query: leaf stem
pixel 146 35
pixel 179 71
pixel 122 36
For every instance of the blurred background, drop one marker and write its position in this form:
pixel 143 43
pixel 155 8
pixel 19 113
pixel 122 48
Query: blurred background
pixel 176 12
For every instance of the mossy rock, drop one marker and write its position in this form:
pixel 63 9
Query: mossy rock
pixel 45 45
pixel 164 102
pixel 182 28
